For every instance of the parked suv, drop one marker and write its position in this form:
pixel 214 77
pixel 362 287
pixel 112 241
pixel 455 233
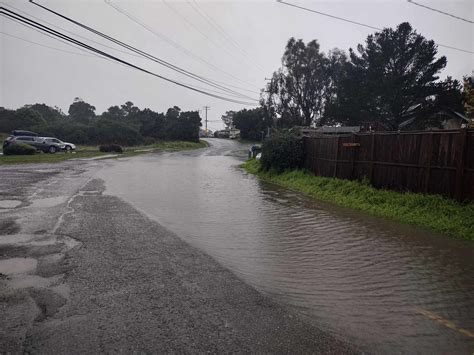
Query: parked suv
pixel 40 143
pixel 18 133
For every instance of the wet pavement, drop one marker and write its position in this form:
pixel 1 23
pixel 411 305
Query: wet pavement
pixel 383 286
pixel 85 272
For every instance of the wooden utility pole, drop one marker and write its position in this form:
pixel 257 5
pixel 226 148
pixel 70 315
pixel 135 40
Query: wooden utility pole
pixel 206 108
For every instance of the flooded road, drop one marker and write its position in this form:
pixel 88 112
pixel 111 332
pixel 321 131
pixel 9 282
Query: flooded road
pixel 380 285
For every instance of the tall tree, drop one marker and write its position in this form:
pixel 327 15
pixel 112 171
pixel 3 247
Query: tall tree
pixel 50 114
pixel 114 113
pixel 468 93
pixel 252 123
pixel 228 118
pixel 130 109
pixel 396 69
pixel 298 91
pixel 81 111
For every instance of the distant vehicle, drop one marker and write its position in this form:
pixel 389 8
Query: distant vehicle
pixel 66 146
pixel 45 144
pixel 40 143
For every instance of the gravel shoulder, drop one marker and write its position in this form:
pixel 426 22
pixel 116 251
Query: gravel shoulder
pixel 99 276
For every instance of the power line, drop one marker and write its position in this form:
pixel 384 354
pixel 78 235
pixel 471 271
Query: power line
pixel 73 33
pixel 94 55
pixel 45 46
pixel 441 12
pixel 178 46
pixel 225 35
pixel 358 23
pixel 147 55
pixel 179 14
pixel 62 41
pixel 29 22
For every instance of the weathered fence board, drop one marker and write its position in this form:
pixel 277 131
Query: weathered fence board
pixel 437 162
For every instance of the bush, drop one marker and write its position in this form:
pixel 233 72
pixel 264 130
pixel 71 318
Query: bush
pixel 282 151
pixel 149 140
pixel 107 148
pixel 19 149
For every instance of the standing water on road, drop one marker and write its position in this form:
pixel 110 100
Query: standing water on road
pixel 383 286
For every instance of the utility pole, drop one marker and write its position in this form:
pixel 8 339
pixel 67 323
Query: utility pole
pixel 206 108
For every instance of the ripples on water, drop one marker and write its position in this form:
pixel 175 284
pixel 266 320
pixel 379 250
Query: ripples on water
pixel 361 278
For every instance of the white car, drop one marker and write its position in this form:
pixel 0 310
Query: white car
pixel 64 145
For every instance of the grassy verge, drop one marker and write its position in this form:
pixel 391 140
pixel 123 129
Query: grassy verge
pixel 92 151
pixel 170 146
pixel 429 211
pixel 249 141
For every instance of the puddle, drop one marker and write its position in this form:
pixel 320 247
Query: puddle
pixel 16 266
pixel 8 226
pixel 26 281
pixel 47 171
pixel 10 203
pixel 48 202
pixel 17 238
pixel 99 157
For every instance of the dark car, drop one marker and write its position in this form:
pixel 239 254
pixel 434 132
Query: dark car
pixel 41 144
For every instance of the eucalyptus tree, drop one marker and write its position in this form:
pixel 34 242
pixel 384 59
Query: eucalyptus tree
pixel 298 91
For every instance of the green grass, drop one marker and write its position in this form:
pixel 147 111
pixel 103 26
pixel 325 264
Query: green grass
pixel 93 151
pixel 170 145
pixel 430 211
pixel 249 141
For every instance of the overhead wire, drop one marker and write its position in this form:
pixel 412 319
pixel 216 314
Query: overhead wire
pixel 70 32
pixel 93 55
pixel 227 37
pixel 179 47
pixel 147 55
pixel 217 45
pixel 89 54
pixel 46 46
pixel 440 11
pixel 11 14
pixel 359 23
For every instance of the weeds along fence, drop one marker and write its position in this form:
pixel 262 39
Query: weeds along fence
pixel 435 162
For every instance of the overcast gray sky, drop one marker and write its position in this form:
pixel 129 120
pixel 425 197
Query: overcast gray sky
pixel 239 43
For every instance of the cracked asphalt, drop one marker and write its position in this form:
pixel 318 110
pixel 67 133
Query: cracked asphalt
pixel 85 272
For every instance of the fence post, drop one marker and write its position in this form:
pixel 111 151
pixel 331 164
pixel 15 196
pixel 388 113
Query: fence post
pixel 353 157
pixel 461 158
pixel 337 156
pixel 372 157
pixel 429 148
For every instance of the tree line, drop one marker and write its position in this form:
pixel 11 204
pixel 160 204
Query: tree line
pixel 391 78
pixel 126 124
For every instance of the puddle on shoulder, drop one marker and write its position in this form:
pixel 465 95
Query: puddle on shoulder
pixel 48 202
pixel 10 203
pixel 18 266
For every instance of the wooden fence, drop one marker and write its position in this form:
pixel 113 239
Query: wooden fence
pixel 435 162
